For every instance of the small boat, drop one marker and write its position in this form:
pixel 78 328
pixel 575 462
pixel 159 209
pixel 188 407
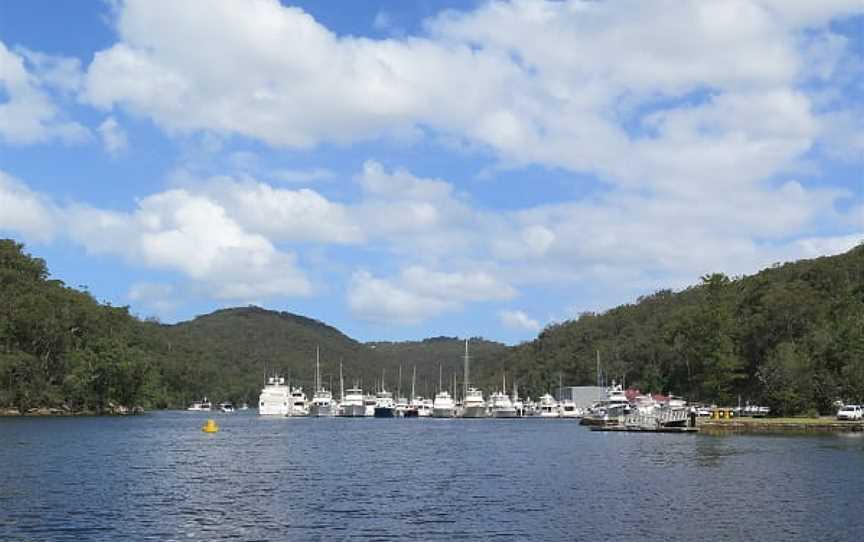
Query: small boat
pixel 244 406
pixel 200 406
pixel 274 398
pixel 226 407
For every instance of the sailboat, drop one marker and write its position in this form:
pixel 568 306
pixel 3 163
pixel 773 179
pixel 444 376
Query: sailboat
pixel 473 404
pixel 322 400
pixel 384 405
pixel 443 405
pixel 502 406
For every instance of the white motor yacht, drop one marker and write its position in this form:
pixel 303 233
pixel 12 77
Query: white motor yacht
pixel 352 405
pixel 322 404
pixel 385 407
pixel 422 406
pixel 568 409
pixel 200 406
pixel 548 407
pixel 443 406
pixel 298 406
pixel 274 398
pixel 474 406
pixel 502 406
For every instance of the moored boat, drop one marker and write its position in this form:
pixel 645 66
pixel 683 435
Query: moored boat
pixel 274 398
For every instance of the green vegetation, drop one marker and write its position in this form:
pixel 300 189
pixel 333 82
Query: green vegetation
pixel 791 337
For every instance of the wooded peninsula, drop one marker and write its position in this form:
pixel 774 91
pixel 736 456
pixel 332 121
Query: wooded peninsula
pixel 790 337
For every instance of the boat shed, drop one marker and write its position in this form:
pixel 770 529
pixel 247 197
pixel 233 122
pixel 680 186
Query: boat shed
pixel 583 396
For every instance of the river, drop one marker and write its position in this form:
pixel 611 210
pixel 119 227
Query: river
pixel 159 477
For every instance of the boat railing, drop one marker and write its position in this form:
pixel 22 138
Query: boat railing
pixel 660 418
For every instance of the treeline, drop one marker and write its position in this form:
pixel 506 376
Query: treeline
pixel 790 337
pixel 60 348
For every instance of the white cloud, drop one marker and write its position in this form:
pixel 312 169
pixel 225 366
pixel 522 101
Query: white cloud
pixel 716 88
pixel 288 215
pixel 114 138
pixel 24 211
pixel 163 299
pixel 516 319
pixel 194 235
pixel 29 115
pixel 419 293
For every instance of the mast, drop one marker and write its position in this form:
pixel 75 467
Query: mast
pixel 382 378
pixel 439 379
pixel 399 387
pixel 341 382
pixel 317 370
pixel 465 384
pixel 413 378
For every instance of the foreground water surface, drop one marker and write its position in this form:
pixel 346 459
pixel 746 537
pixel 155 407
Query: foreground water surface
pixel 159 477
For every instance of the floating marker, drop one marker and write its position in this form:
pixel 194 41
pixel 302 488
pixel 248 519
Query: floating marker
pixel 210 427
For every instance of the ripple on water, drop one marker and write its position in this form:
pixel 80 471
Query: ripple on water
pixel 158 477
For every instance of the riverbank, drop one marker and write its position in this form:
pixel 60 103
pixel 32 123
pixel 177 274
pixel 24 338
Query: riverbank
pixel 780 425
pixel 112 410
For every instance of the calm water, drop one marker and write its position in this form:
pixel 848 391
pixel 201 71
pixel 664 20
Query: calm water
pixel 158 477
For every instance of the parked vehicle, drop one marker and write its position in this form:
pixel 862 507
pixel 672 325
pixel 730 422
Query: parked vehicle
pixel 850 413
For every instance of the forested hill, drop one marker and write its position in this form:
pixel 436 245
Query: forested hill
pixel 59 348
pixel 791 336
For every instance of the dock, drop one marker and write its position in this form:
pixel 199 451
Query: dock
pixel 643 429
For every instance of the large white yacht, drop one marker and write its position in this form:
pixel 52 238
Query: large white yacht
pixel 352 404
pixel 322 400
pixel 443 406
pixel 474 406
pixel 273 400
pixel 502 406
pixel 548 407
pixel 298 406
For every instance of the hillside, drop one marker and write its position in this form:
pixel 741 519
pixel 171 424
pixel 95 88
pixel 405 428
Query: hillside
pixel 791 336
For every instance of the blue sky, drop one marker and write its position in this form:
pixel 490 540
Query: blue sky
pixel 411 169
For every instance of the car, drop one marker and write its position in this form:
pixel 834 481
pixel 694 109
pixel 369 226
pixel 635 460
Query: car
pixel 850 413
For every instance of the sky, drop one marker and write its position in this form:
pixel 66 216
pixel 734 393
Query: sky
pixel 402 170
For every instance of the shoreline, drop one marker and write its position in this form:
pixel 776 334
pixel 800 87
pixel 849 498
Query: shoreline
pixel 781 425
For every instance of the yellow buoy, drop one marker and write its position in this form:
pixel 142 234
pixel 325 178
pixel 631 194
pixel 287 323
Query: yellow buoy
pixel 210 427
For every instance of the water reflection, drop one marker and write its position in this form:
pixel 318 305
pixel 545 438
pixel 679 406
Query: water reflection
pixel 158 477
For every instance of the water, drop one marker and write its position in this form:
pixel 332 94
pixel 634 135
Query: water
pixel 159 477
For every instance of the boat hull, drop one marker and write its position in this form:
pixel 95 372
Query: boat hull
pixel 443 413
pixel 384 412
pixel 504 413
pixel 353 411
pixel 322 411
pixel 474 412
